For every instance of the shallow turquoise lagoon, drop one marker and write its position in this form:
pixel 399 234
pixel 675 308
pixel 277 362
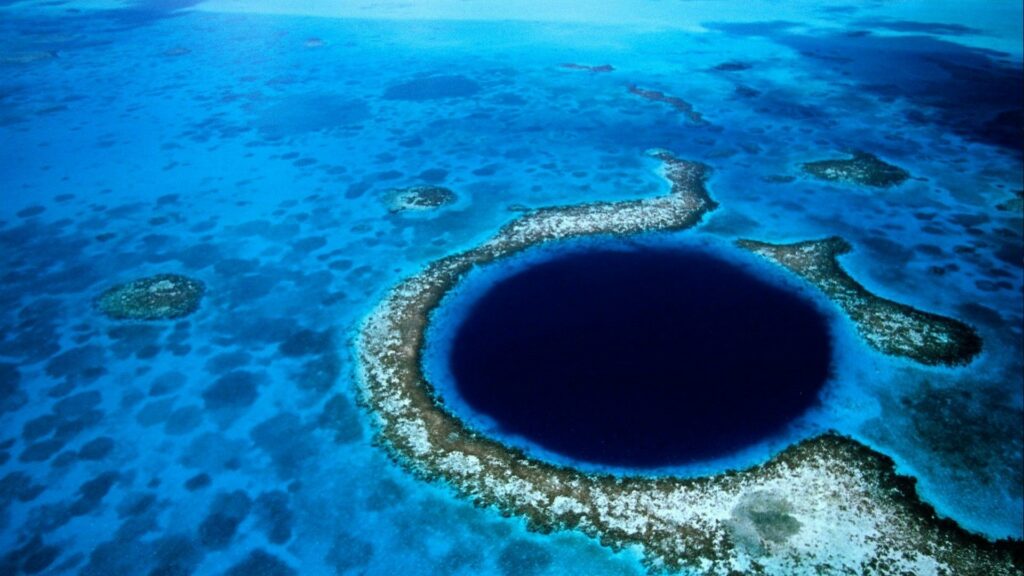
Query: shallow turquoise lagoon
pixel 257 147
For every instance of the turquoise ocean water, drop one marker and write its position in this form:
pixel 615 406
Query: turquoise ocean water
pixel 254 145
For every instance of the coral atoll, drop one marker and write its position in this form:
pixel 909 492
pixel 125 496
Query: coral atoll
pixel 828 504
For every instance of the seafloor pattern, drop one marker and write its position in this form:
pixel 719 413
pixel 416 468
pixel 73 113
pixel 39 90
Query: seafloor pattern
pixel 255 148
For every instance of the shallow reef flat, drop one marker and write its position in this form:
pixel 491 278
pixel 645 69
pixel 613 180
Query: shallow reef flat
pixel 827 505
pixel 891 327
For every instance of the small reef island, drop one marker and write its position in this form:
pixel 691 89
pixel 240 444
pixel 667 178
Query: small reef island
pixel 863 168
pixel 827 505
pixel 419 199
pixel 159 297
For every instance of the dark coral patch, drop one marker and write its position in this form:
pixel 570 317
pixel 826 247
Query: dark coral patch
pixel 167 383
pixel 41 451
pixel 863 168
pixel 78 405
pixel 33 558
pixel 96 449
pixel 318 374
pixel 274 516
pixel 432 88
pixel 176 555
pixel 39 426
pixel 12 397
pixel 227 361
pixel 909 26
pixel 339 416
pixel 261 563
pixel 183 420
pixel 348 553
pixel 237 389
pixel 287 441
pixel 18 486
pixel 198 482
pixel 159 297
pixel 521 557
pixel 305 342
pixel 92 492
pixel 78 364
pixel 226 513
pixel 732 66
pixel 155 412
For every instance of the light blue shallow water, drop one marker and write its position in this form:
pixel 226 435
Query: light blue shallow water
pixel 255 151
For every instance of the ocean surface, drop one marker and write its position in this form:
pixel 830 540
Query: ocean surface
pixel 255 146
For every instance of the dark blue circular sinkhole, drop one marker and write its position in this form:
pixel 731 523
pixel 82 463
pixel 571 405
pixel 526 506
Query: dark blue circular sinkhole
pixel 640 358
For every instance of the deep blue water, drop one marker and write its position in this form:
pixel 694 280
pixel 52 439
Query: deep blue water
pixel 640 358
pixel 254 145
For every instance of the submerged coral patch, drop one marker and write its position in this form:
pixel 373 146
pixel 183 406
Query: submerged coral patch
pixel 317 112
pixel 159 297
pixel 674 101
pixel 862 168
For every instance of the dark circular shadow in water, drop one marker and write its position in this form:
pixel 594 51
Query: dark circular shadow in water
pixel 641 358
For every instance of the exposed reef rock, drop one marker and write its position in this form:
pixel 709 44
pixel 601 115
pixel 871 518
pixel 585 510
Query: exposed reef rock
pixel 890 327
pixel 863 168
pixel 827 505
pixel 419 198
pixel 159 297
pixel 678 103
